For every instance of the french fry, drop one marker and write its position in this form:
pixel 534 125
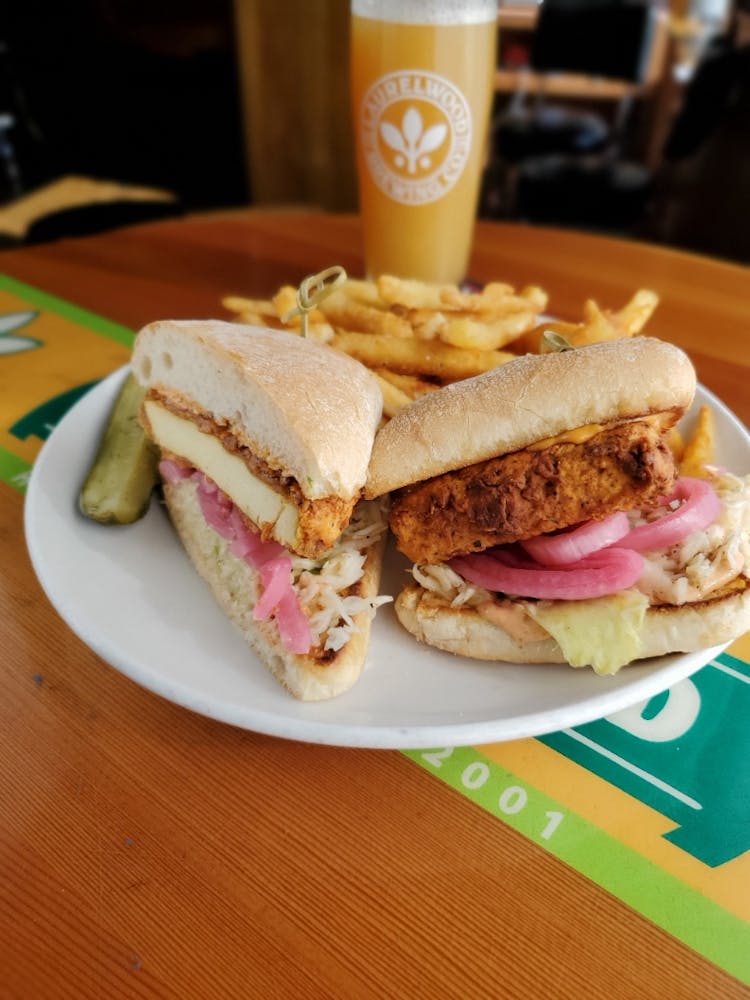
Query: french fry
pixel 597 324
pixel 409 294
pixel 411 385
pixel 285 300
pixel 676 443
pixel 365 292
pixel 426 323
pixel 496 301
pixel 422 295
pixel 494 297
pixel 394 399
pixel 535 298
pixel 700 448
pixel 511 316
pixel 626 322
pixel 347 313
pixel 418 357
pixel 485 334
pixel 634 316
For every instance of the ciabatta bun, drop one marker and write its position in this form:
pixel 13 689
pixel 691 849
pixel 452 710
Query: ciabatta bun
pixel 527 400
pixel 308 411
pixel 666 629
pixel 234 585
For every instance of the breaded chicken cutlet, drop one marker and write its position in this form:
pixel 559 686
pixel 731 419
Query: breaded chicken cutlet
pixel 531 491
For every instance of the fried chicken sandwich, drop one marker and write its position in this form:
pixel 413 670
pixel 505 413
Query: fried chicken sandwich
pixel 264 440
pixel 546 519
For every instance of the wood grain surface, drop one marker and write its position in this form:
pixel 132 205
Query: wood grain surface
pixel 149 852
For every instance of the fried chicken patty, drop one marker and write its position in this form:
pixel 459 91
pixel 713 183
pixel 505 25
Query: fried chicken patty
pixel 530 492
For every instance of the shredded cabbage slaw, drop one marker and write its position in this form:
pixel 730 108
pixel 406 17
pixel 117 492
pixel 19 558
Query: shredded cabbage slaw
pixel 308 598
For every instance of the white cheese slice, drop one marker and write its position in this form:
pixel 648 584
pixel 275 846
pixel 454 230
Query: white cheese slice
pixel 256 499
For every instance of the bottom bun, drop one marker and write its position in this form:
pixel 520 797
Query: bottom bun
pixel 666 629
pixel 235 585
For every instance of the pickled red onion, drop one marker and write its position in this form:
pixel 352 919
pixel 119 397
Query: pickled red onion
pixel 700 507
pixel 573 544
pixel 173 472
pixel 293 626
pixel 276 578
pixel 216 507
pixel 248 543
pixel 268 558
pixel 506 571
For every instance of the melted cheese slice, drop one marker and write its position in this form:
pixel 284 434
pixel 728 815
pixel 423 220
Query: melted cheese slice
pixel 579 435
pixel 257 500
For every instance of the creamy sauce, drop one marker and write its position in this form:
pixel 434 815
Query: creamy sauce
pixel 513 619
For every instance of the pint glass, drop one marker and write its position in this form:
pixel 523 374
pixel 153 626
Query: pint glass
pixel 421 89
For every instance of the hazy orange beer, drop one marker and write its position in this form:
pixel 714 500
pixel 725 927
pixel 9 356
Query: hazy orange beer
pixel 421 89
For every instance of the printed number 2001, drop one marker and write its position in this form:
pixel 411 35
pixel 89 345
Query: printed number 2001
pixel 512 800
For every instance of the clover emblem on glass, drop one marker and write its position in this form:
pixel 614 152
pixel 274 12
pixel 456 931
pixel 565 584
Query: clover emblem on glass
pixel 413 143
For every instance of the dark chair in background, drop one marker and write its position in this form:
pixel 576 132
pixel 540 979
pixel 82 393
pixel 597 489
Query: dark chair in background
pixel 563 162
pixel 69 205
pixel 702 191
pixel 121 113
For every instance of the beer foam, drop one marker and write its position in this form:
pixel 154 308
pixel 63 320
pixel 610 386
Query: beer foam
pixel 427 11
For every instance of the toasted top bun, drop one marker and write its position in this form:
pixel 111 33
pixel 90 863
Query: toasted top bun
pixel 307 410
pixel 527 400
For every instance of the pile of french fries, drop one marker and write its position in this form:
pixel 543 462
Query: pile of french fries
pixel 413 336
pixel 417 336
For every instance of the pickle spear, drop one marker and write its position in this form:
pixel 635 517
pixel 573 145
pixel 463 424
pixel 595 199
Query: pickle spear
pixel 118 488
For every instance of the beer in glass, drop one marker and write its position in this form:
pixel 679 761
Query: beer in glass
pixel 422 75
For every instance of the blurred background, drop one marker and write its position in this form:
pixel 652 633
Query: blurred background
pixel 614 116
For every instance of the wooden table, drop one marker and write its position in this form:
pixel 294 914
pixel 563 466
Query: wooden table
pixel 149 852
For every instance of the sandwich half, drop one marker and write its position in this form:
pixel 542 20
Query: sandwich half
pixel 546 520
pixel 265 439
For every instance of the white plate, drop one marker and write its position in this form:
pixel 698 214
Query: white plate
pixel 132 596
